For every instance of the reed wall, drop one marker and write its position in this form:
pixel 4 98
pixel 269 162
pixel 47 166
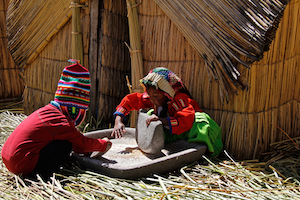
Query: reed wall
pixel 273 96
pixel 32 24
pixel 246 119
pixel 43 73
pixel 11 79
pixel 113 61
pixel 104 31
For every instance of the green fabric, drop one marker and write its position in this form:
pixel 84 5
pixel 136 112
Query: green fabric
pixel 173 137
pixel 150 112
pixel 204 130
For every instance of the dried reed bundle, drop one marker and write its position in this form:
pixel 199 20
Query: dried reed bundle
pixel 135 51
pixel 222 31
pixel 77 49
pixel 11 82
pixel 32 24
pixel 285 153
pixel 209 180
pixel 12 106
pixel 108 57
pixel 9 121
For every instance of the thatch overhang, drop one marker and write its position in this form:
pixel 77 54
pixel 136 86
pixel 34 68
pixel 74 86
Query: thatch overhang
pixel 31 25
pixel 246 118
pixel 223 32
pixel 32 31
pixel 11 79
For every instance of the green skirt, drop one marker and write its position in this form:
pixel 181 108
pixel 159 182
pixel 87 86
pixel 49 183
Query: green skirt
pixel 204 130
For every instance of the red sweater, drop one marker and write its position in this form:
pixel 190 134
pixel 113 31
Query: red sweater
pixel 20 152
pixel 181 110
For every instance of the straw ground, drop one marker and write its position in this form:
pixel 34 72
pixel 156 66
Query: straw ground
pixel 208 179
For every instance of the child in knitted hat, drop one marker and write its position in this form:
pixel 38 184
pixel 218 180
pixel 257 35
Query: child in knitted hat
pixel 173 105
pixel 45 139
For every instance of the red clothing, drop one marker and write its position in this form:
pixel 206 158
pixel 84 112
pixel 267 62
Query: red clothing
pixel 20 152
pixel 181 110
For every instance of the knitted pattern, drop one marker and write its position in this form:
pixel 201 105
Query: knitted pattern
pixel 73 88
pixel 163 79
pixel 76 115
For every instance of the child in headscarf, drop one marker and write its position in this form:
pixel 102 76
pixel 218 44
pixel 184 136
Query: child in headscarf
pixel 173 105
pixel 44 140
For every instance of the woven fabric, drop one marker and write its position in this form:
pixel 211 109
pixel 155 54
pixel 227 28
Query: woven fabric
pixel 73 88
pixel 76 115
pixel 163 79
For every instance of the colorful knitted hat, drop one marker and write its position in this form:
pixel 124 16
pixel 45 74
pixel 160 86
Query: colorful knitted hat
pixel 163 79
pixel 73 89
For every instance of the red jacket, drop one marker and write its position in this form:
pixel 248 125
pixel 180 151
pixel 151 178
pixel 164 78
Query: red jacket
pixel 20 152
pixel 181 110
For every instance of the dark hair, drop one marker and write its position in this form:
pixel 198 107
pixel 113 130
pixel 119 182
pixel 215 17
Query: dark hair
pixel 186 91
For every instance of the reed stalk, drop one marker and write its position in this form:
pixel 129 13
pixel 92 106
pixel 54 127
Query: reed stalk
pixel 77 49
pixel 208 179
pixel 135 50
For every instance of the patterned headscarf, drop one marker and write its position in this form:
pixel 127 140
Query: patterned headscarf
pixel 73 92
pixel 163 79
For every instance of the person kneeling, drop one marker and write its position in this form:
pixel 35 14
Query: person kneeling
pixel 42 143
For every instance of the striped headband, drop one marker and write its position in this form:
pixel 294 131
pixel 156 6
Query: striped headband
pixel 163 79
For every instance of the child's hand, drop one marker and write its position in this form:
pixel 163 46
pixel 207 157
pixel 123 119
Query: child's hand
pixel 153 117
pixel 109 144
pixel 107 140
pixel 119 128
pixel 96 154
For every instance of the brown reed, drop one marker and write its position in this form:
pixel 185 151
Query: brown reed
pixel 246 119
pixel 11 80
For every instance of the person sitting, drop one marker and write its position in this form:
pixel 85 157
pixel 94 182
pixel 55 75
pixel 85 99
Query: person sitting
pixel 42 142
pixel 173 105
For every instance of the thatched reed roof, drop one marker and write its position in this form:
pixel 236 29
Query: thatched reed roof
pixel 32 24
pixel 223 31
pixel 220 31
pixel 11 81
pixel 104 30
pixel 273 94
